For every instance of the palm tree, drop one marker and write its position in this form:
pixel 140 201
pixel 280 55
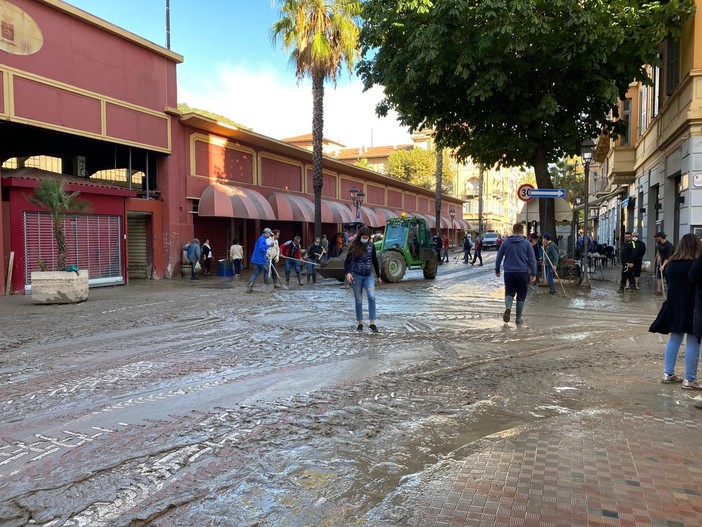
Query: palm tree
pixel 51 195
pixel 321 35
pixel 439 185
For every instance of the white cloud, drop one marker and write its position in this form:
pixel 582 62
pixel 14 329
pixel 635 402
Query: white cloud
pixel 277 107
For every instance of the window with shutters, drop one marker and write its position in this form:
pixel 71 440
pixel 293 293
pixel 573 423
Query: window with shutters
pixel 93 241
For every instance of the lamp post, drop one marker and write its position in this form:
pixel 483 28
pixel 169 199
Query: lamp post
pixel 588 149
pixel 576 225
pixel 357 200
pixel 452 213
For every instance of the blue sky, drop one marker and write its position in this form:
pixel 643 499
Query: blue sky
pixel 231 67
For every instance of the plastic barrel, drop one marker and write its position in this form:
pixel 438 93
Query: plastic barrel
pixel 224 268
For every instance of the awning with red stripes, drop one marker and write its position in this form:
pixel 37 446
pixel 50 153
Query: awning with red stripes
pixel 226 201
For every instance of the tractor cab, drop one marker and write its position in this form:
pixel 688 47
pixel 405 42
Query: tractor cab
pixel 406 245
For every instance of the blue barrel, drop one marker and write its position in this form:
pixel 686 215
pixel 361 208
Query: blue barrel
pixel 224 268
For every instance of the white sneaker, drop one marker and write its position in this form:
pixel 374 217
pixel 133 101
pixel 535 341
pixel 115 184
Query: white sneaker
pixel 691 385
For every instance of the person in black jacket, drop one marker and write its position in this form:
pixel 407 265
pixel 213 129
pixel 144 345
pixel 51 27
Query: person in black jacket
pixel 664 250
pixel 361 261
pixel 627 258
pixel 678 312
pixel 637 256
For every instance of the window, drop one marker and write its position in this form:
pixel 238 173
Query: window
pixel 626 116
pixel 672 66
pixel 656 88
pixel 643 113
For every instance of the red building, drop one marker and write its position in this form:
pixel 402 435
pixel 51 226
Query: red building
pixel 101 103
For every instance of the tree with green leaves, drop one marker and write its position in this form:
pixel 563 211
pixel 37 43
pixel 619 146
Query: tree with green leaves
pixel 50 194
pixel 418 167
pixel 565 175
pixel 321 35
pixel 513 83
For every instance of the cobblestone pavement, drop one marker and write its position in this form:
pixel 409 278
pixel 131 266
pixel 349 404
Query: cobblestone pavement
pixel 178 403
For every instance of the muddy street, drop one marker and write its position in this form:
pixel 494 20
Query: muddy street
pixel 176 403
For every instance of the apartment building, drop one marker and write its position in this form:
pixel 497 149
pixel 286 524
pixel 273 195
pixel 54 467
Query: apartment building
pixel 650 180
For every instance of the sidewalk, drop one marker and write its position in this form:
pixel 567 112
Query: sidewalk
pixel 589 469
pixel 635 463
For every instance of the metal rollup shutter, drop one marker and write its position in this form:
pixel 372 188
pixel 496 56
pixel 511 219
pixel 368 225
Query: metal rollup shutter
pixel 136 247
pixel 93 241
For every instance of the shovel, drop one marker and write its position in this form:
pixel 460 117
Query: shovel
pixel 278 276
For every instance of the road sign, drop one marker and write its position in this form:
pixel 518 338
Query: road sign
pixel 547 193
pixel 524 192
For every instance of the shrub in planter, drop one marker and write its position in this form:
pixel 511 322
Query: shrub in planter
pixel 65 284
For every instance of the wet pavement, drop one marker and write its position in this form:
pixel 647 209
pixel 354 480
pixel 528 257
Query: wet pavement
pixel 191 403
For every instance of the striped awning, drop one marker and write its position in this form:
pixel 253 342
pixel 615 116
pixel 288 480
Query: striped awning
pixel 462 224
pixel 226 201
pixel 384 215
pixel 431 221
pixel 335 212
pixel 369 218
pixel 291 207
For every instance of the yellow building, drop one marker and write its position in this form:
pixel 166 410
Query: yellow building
pixel 652 177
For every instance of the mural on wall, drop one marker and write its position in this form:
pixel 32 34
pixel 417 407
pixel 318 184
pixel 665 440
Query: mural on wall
pixel 19 33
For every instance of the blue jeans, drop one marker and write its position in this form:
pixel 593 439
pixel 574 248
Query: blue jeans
pixel 257 270
pixel 292 264
pixel 549 277
pixel 359 283
pixel 311 269
pixel 692 354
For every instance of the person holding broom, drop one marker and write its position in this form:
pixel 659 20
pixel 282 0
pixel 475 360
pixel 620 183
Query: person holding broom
pixel 550 261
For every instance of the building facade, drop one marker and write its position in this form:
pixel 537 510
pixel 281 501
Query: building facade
pixel 650 180
pixel 86 101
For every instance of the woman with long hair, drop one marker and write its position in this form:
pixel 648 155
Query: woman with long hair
pixel 361 261
pixel 678 313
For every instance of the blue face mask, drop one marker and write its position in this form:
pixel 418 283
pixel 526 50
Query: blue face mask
pixel 365 240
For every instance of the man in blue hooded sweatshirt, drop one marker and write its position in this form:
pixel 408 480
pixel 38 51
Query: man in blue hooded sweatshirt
pixel 520 270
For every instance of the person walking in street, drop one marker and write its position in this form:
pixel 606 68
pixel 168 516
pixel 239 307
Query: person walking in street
pixel 678 316
pixel 638 256
pixel 206 257
pixel 293 256
pixel 193 252
pixel 550 261
pixel 627 258
pixel 520 270
pixel 477 250
pixel 664 250
pixel 361 261
pixel 467 244
pixel 259 259
pixel 445 249
pixel 314 256
pixel 236 254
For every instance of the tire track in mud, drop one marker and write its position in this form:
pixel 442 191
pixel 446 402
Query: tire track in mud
pixel 300 450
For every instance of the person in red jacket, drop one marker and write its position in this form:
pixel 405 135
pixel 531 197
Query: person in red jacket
pixel 293 256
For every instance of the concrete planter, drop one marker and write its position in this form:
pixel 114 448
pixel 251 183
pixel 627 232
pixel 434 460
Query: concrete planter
pixel 59 287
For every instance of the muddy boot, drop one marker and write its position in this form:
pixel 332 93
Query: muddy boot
pixel 287 278
pixel 520 309
pixel 308 278
pixel 249 286
pixel 314 278
pixel 299 280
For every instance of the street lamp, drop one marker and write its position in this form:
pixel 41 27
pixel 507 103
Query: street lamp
pixel 357 200
pixel 588 149
pixel 452 213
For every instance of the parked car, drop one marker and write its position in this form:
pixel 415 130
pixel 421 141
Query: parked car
pixel 490 241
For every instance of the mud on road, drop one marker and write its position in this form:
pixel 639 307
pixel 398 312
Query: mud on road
pixel 178 403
